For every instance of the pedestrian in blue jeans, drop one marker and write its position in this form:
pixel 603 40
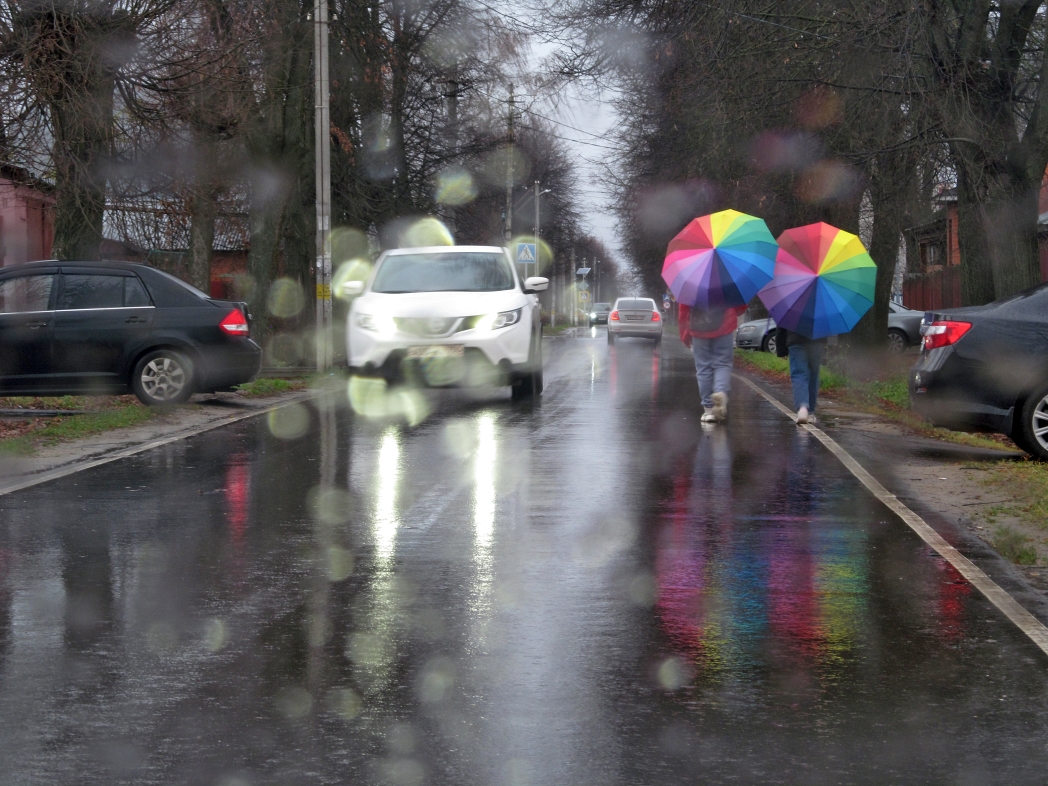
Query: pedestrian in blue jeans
pixel 710 335
pixel 805 360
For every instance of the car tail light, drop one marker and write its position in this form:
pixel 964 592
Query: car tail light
pixel 943 334
pixel 234 324
pixel 614 316
pixel 655 316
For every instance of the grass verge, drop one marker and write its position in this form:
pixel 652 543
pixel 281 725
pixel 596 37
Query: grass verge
pixel 888 398
pixel 271 386
pixel 25 436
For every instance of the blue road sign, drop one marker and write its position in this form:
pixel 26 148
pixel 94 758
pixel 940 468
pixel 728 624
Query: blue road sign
pixel 526 253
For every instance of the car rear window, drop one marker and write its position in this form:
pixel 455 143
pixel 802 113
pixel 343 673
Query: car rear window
pixel 637 305
pixel 467 271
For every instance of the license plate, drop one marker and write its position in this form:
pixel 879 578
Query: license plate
pixel 632 317
pixel 437 351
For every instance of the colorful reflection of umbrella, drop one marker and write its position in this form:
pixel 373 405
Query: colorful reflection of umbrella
pixel 823 282
pixel 720 260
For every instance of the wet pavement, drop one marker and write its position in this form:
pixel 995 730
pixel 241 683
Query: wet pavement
pixel 591 590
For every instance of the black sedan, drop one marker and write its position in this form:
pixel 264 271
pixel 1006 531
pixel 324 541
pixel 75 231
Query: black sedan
pixel 985 368
pixel 110 327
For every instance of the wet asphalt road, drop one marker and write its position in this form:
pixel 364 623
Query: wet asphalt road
pixel 594 590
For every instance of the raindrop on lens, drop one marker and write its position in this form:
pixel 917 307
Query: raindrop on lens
pixel 437 678
pixel 339 563
pixel 673 674
pixel 286 298
pixel 330 505
pixel 289 422
pixel 294 702
pixel 346 702
pixel 216 636
pixel 161 637
pixel 427 231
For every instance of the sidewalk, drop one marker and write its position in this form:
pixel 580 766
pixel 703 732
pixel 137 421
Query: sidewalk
pixel 204 413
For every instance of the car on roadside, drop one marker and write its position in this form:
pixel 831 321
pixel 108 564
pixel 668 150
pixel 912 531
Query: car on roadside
pixel 447 316
pixel 69 328
pixel 985 368
pixel 636 317
pixel 757 334
pixel 599 314
pixel 904 331
pixel 904 328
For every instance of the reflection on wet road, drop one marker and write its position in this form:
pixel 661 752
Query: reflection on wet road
pixel 593 590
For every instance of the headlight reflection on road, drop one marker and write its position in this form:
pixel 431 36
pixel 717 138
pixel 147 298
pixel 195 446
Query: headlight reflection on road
pixel 386 519
pixel 484 506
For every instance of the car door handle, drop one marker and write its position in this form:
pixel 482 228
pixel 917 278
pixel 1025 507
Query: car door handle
pixel 133 320
pixel 35 325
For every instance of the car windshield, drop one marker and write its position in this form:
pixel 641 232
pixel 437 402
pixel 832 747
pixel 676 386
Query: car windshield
pixel 466 271
pixel 637 305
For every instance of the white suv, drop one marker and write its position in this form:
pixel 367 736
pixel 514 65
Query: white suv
pixel 447 316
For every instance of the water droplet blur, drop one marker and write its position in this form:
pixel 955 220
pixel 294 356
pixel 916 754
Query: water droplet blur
pixel 346 702
pixel 673 674
pixel 403 772
pixel 285 349
pixel 428 231
pixel 329 504
pixel 373 398
pixel 460 438
pixel 455 186
pixel 508 157
pixel 294 702
pixel 161 638
pixel 339 563
pixel 289 422
pixel 828 180
pixel 438 676
pixel 642 590
pixel 286 298
pixel 216 636
pixel 401 739
pixel 351 270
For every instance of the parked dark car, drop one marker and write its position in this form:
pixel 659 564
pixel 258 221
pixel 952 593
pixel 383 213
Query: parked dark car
pixel 985 368
pixel 110 327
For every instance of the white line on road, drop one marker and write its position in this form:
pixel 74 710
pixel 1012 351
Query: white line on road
pixel 1025 621
pixel 80 466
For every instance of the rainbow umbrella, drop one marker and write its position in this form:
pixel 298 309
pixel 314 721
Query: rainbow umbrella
pixel 823 283
pixel 720 260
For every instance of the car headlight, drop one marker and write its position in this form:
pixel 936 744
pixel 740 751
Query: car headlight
pixel 377 323
pixel 496 321
pixel 749 329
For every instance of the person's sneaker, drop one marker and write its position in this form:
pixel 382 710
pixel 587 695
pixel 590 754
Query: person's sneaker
pixel 707 416
pixel 802 416
pixel 720 406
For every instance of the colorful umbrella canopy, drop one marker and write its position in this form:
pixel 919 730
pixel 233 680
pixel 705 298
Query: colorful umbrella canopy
pixel 823 283
pixel 720 260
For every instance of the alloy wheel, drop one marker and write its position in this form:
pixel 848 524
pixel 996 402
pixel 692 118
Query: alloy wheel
pixel 163 379
pixel 896 342
pixel 1040 423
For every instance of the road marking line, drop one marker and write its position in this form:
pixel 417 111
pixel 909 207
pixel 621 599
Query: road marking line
pixel 1023 619
pixel 80 466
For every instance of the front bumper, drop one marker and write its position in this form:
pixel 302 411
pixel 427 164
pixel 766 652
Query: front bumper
pixel 749 341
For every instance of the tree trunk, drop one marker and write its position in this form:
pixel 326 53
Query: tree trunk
pixel 977 285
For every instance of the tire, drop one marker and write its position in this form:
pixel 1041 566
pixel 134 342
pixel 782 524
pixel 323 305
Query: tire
pixel 611 337
pixel 658 342
pixel 162 377
pixel 769 343
pixel 1033 427
pixel 897 342
pixel 530 387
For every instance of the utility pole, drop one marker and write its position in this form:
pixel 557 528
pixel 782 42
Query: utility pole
pixel 509 170
pixel 574 311
pixel 596 276
pixel 322 119
pixel 452 133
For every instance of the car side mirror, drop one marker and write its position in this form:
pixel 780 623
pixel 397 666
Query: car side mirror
pixel 351 288
pixel 535 284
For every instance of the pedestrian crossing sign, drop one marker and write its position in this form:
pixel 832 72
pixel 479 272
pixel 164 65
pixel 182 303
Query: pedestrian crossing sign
pixel 526 253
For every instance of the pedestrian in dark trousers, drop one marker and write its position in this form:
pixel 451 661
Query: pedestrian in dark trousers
pixel 710 335
pixel 805 356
